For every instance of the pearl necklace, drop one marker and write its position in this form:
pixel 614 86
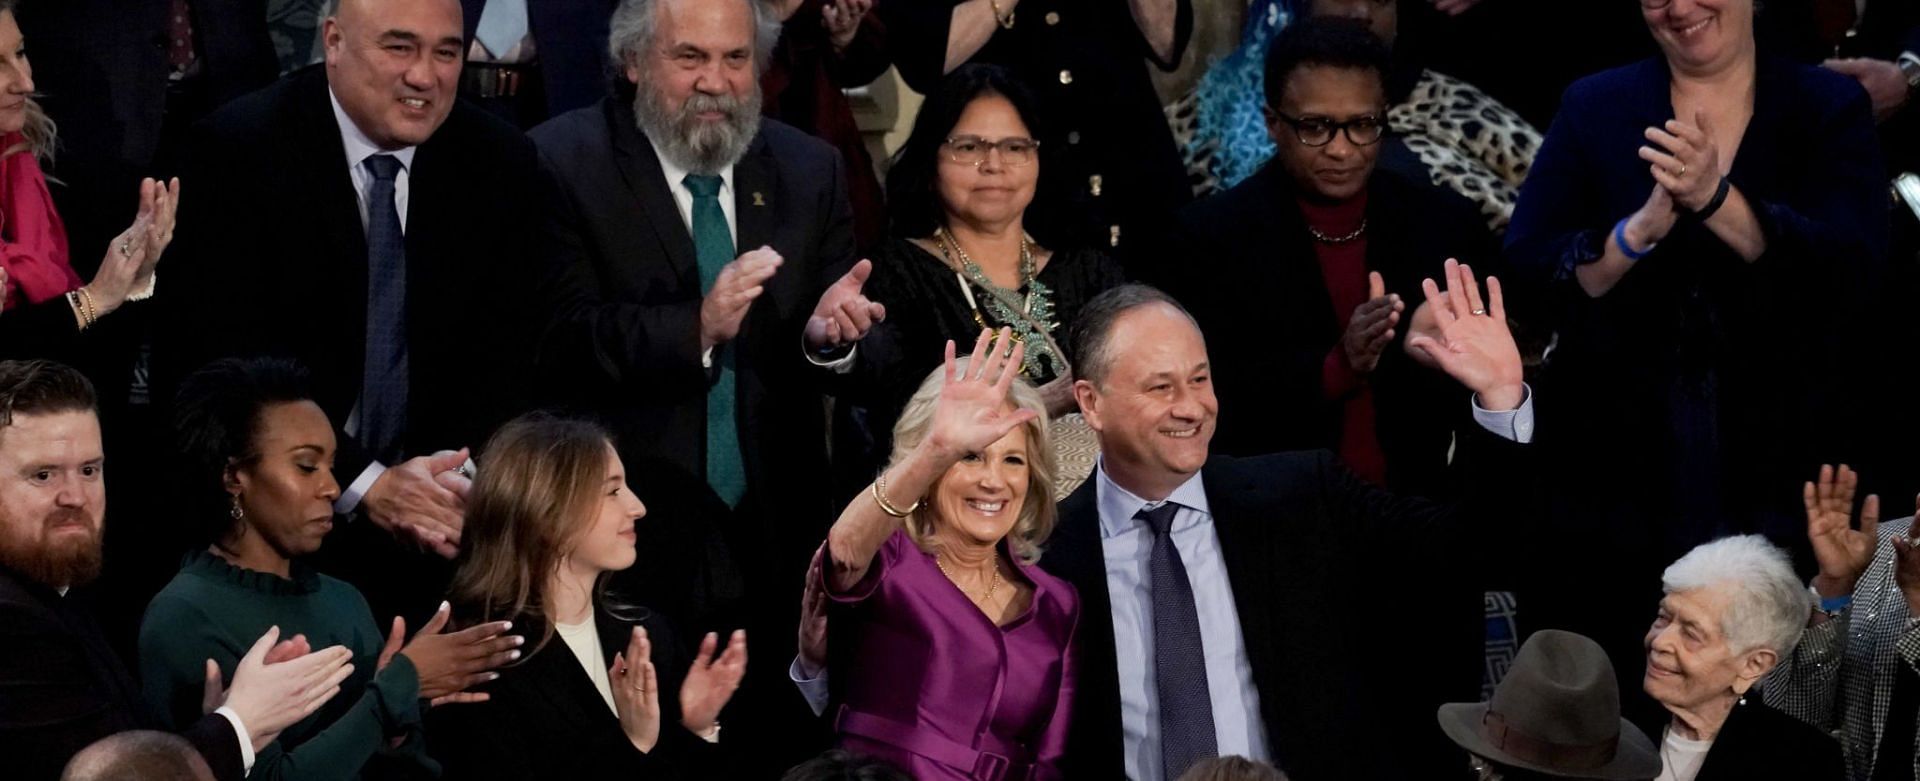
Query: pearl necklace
pixel 992 585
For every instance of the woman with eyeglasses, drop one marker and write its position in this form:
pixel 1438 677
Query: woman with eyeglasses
pixel 971 249
pixel 1706 229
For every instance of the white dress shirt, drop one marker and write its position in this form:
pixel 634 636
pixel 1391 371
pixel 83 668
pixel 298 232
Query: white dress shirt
pixel 359 148
pixel 1127 546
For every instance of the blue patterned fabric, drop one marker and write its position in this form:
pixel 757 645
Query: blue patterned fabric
pixel 1179 664
pixel 1231 94
pixel 383 390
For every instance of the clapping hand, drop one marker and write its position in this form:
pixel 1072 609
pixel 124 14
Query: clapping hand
pixel 1842 551
pixel 450 663
pixel 844 315
pixel 1685 161
pixel 215 692
pixel 412 502
pixel 1475 345
pixel 842 20
pixel 1372 327
pixel 734 290
pixel 270 697
pixel 1886 85
pixel 636 691
pixel 1906 567
pixel 711 681
pixel 973 411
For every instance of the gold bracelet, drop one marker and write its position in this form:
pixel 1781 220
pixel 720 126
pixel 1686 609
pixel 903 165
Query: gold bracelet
pixel 880 498
pixel 93 315
pixel 79 310
pixel 1006 22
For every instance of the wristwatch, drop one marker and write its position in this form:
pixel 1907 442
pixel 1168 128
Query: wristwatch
pixel 1910 67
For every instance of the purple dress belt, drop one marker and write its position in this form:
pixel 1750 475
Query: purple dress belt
pixel 999 764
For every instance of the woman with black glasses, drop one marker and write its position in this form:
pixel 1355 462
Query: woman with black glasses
pixel 972 250
pixel 1707 228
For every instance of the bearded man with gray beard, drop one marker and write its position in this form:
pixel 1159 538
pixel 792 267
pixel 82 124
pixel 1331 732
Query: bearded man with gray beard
pixel 706 297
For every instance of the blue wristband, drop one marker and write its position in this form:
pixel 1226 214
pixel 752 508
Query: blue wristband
pixel 1620 240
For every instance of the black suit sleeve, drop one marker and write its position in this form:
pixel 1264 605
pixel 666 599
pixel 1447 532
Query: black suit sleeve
pixel 214 738
pixel 1492 497
pixel 613 341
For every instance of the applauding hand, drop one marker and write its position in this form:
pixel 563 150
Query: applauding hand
pixel 1686 161
pixel 711 681
pixel 1372 326
pixel 1906 567
pixel 1842 551
pixel 1475 346
pixel 844 315
pixel 636 691
pixel 974 411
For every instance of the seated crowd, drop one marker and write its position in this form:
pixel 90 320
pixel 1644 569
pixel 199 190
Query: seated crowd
pixel 464 412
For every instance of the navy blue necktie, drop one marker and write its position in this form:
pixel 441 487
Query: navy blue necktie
pixel 1179 663
pixel 383 387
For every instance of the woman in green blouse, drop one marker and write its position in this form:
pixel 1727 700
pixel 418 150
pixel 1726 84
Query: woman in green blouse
pixel 262 454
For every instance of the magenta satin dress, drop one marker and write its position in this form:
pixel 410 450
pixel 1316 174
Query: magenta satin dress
pixel 932 685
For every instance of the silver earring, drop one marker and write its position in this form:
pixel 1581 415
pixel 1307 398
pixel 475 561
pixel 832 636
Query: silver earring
pixel 237 513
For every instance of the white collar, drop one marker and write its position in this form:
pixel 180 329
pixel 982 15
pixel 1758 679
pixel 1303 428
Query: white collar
pixel 1118 505
pixel 359 146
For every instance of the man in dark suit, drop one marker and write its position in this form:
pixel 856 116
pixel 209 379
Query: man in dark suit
pixel 704 293
pixel 529 61
pixel 1303 279
pixel 61 686
pixel 1219 614
pixel 359 220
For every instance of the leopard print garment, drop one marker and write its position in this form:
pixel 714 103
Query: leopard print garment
pixel 1471 143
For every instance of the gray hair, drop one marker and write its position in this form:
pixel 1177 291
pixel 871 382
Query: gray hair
pixel 635 21
pixel 142 754
pixel 1037 513
pixel 1092 355
pixel 1768 606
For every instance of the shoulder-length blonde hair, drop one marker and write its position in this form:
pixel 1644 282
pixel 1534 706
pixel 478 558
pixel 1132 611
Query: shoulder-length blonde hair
pixel 40 130
pixel 538 492
pixel 1035 524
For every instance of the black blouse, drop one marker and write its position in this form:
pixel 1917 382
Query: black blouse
pixel 925 308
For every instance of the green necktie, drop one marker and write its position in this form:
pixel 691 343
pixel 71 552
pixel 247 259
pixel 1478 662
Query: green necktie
pixel 713 243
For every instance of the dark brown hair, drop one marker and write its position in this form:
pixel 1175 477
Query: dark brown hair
pixel 42 388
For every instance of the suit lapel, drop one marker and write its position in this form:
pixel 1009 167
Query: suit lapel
pixel 756 180
pixel 639 167
pixel 322 158
pixel 1076 556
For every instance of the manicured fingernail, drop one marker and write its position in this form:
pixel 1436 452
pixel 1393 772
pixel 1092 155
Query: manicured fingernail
pixel 513 654
pixel 519 641
pixel 445 606
pixel 493 676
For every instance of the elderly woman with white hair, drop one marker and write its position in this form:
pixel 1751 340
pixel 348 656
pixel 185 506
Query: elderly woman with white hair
pixel 952 651
pixel 1733 609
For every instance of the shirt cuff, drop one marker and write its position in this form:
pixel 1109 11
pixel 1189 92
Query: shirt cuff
pixel 246 740
pixel 706 358
pixel 813 690
pixel 1514 425
pixel 840 365
pixel 350 498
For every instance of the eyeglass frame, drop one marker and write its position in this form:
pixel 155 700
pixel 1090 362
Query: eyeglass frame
pixel 1655 5
pixel 1336 128
pixel 991 147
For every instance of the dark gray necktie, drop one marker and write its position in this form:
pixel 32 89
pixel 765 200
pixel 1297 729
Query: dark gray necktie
pixel 383 387
pixel 1179 665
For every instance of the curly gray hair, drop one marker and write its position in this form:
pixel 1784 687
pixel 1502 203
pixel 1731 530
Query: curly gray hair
pixel 635 21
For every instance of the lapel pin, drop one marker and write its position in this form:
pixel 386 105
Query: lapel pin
pixel 758 199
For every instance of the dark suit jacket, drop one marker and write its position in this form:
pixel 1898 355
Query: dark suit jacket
pixel 570 43
pixel 1248 272
pixel 545 719
pixel 62 688
pixel 626 338
pixel 1298 533
pixel 271 257
pixel 1760 742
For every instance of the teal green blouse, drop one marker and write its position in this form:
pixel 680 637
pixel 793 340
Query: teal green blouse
pixel 215 610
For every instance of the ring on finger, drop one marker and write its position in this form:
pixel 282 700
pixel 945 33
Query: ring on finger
pixel 126 249
pixel 1682 171
pixel 1481 312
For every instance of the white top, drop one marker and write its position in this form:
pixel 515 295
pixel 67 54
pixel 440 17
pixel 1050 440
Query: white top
pixel 1681 758
pixel 584 640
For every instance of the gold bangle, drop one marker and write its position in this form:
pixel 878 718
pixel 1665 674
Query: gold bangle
pixel 879 490
pixel 79 309
pixel 93 315
pixel 1006 22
